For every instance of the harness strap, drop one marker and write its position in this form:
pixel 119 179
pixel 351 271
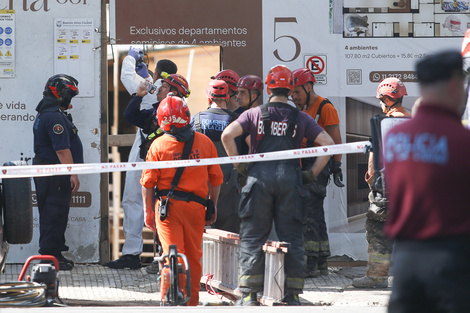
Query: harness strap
pixel 188 145
pixel 310 142
pixel 179 171
pixel 317 116
pixel 197 122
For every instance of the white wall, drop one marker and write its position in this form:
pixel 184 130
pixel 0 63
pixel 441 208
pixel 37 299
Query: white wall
pixel 34 57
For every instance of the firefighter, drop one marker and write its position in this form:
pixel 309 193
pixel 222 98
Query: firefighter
pixel 390 92
pixel 250 88
pixel 132 68
pixel 316 242
pixel 184 224
pixel 211 123
pixel 272 190
pixel 145 119
pixel 56 141
pixel 231 78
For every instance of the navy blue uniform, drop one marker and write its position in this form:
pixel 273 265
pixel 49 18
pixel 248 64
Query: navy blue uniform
pixel 137 116
pixel 53 131
pixel 212 123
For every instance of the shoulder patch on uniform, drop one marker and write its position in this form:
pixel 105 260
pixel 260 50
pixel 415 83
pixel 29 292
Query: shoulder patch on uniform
pixel 58 129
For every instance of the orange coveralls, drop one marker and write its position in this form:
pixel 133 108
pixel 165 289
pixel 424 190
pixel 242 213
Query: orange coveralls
pixel 184 225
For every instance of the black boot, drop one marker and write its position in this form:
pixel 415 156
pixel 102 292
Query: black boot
pixel 126 261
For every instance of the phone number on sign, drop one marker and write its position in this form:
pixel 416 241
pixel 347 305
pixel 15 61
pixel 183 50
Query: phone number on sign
pixel 404 76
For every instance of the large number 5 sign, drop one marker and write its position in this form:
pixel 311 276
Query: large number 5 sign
pixel 294 40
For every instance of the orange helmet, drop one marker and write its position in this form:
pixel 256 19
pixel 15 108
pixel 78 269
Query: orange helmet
pixel 302 76
pixel 178 81
pixel 279 76
pixel 172 113
pixel 230 77
pixel 392 87
pixel 217 89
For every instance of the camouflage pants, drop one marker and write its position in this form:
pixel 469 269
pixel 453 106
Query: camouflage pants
pixel 379 247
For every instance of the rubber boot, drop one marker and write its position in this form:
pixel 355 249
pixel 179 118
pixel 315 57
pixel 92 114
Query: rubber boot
pixel 376 272
pixel 311 267
pixel 323 267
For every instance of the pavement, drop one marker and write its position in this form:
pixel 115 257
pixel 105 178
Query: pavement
pixel 97 285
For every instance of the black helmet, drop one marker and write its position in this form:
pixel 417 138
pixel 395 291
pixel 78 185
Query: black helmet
pixel 62 87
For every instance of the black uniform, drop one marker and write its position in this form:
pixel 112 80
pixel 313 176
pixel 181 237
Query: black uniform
pixel 212 123
pixel 53 131
pixel 272 193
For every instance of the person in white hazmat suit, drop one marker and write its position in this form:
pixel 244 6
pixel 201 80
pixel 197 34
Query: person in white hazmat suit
pixel 133 73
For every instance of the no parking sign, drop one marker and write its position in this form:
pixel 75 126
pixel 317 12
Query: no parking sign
pixel 317 64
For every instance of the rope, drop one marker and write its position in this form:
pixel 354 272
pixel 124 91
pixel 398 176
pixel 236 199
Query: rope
pixel 210 290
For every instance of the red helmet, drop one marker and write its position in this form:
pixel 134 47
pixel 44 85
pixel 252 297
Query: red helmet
pixel 279 76
pixel 392 87
pixel 303 76
pixel 178 81
pixel 172 113
pixel 251 82
pixel 217 89
pixel 230 77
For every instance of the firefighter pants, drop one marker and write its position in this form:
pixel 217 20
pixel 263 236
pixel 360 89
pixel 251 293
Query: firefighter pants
pixel 272 193
pixel 229 198
pixel 184 227
pixel 316 242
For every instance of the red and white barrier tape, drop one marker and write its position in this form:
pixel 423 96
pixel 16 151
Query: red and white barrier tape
pixel 93 168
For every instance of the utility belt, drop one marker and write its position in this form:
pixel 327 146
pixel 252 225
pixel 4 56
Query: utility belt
pixel 182 196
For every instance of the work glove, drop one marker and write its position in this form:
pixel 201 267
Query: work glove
pixel 242 170
pixel 335 170
pixel 307 177
pixel 136 53
pixel 142 70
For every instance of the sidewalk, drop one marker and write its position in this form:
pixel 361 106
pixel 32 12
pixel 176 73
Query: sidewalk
pixel 92 284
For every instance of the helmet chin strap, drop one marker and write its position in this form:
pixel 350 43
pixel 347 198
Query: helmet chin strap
pixel 388 108
pixel 308 96
pixel 251 101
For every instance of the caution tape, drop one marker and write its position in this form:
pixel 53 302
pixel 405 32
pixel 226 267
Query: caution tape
pixel 93 168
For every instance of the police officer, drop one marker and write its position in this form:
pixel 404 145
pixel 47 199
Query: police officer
pixel 56 141
pixel 211 123
pixel 272 188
